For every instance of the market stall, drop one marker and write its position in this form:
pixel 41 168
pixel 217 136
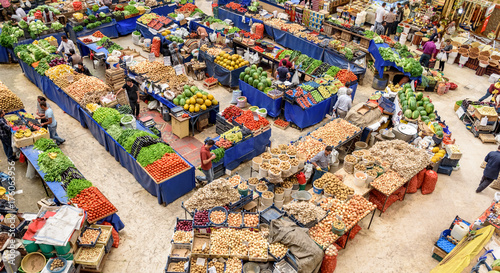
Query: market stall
pixel 108 29
pixel 225 76
pixel 414 70
pixel 239 21
pixel 258 98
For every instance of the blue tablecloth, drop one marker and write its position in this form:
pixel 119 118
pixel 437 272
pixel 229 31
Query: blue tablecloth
pixel 304 118
pixel 165 10
pixel 85 49
pixel 333 58
pixel 258 98
pixel 127 26
pixel 380 63
pixel 225 77
pixel 144 30
pixel 108 29
pixel 194 25
pixel 237 19
pixel 246 150
pixel 289 40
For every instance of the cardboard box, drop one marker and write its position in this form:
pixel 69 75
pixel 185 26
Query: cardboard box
pixel 479 116
pixel 23 142
pixel 37 136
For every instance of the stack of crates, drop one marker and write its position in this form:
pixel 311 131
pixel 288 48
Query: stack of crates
pixel 299 10
pixel 316 20
pixel 306 17
pixel 290 10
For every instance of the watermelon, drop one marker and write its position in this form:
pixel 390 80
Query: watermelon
pixel 269 82
pixel 262 78
pixel 188 93
pixel 251 72
pixel 405 102
pixel 429 108
pixel 246 78
pixel 186 86
pixel 194 89
pixel 402 97
pixel 254 67
pixel 255 83
pixel 439 134
pixel 415 114
pixel 423 113
pixel 260 86
pixel 424 117
pixel 425 99
pixel 408 113
pixel 409 95
pixel 432 116
pixel 182 101
pixel 419 95
pixel 250 81
pixel 176 101
pixel 420 103
pixel 412 104
pixel 260 69
pixel 255 75
pixel 405 107
pixel 264 74
pixel 242 76
pixel 400 92
pixel 420 108
pixel 247 70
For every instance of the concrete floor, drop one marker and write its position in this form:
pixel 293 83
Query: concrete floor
pixel 399 241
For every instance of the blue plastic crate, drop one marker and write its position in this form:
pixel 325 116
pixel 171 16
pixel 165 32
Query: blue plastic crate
pixel 445 170
pixel 443 243
pixel 447 162
pixel 386 104
pixel 270 213
pixel 176 260
pixel 242 202
pixel 92 244
pixel 248 212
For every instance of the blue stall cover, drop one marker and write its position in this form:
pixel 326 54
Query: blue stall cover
pixel 165 10
pixel 237 19
pixel 256 97
pixel 380 63
pixel 85 49
pixel 304 118
pixel 333 58
pixel 289 40
pixel 144 30
pixel 193 26
pixel 108 29
pixel 127 26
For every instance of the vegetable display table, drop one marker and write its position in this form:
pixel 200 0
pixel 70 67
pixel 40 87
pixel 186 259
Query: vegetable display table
pixel 258 98
pixel 4 57
pixel 380 63
pixel 127 26
pixel 108 29
pixel 237 19
pixel 304 118
pixel 86 49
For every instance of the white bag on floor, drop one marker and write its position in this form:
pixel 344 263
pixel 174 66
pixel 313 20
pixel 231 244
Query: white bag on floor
pixel 295 78
pixel 308 170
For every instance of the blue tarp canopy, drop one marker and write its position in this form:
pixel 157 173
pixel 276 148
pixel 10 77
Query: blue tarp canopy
pixel 258 98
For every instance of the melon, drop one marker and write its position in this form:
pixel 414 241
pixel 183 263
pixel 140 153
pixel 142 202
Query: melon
pixel 415 114
pixel 425 99
pixel 254 66
pixel 260 86
pixel 432 116
pixel 255 75
pixel 419 95
pixel 423 113
pixel 247 70
pixel 246 78
pixel 182 101
pixel 188 93
pixel 420 108
pixel 242 76
pixel 260 69
pixel 250 81
pixel 412 104
pixel 420 103
pixel 429 108
pixel 408 113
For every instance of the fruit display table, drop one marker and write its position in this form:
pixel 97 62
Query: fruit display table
pixel 225 77
pixel 258 98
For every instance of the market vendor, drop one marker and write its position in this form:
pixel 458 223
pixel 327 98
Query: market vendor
pixel 343 104
pixel 203 37
pixel 65 45
pixel 406 12
pixel 492 90
pixel 7 9
pixel 286 62
pixel 491 170
pixel 399 15
pixel 6 137
pixel 82 69
pixel 39 111
pixel 133 95
pixel 206 161
pixel 428 48
pixel 321 162
pixel 175 55
pixel 74 58
pixel 48 16
pixel 51 122
pixel 282 74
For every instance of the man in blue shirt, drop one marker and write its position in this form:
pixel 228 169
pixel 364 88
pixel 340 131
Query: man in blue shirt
pixel 282 73
pixel 491 170
pixel 52 123
pixel 6 137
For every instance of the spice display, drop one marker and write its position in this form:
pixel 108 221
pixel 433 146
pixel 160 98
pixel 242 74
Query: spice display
pixel 309 147
pixel 251 220
pixel 218 193
pixel 304 212
pixel 406 159
pixel 388 182
pixel 233 265
pixel 201 218
pixel 235 219
pixel 89 236
pixel 278 250
pixel 182 237
pixel 218 217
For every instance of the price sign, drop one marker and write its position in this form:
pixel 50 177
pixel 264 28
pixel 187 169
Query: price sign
pixel 484 121
pixel 166 61
pixel 203 230
pixel 212 270
pixel 460 112
pixel 186 266
pixel 204 246
pixel 200 261
pixel 152 57
pixel 179 69
pixel 153 31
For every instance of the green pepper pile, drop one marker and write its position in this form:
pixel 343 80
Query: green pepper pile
pixel 76 186
pixel 43 144
pixel 52 166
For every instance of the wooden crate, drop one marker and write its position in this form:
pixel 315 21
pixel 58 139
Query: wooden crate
pixel 479 116
pixel 487 138
pixel 90 265
pixel 365 43
pixel 23 142
pixel 211 85
pixel 346 36
pixel 39 136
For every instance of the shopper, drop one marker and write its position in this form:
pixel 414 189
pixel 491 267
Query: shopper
pixel 446 50
pixel 493 90
pixel 429 48
pixel 203 39
pixel 406 12
pixel 206 161
pixel 82 69
pixel 399 15
pixel 282 74
pixel 48 16
pixel 379 19
pixel 133 95
pixel 65 45
pixel 321 162
pixel 39 111
pixel 286 62
pixel 389 20
pixel 74 58
pixel 6 137
pixel 434 32
pixel 51 122
pixel 450 30
pixel 175 54
pixel 491 170
pixel 343 104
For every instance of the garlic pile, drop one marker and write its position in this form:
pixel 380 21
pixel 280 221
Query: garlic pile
pixel 304 212
pixel 218 193
pixel 406 159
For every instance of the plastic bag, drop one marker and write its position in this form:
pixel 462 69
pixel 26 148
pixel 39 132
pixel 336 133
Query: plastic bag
pixel 295 78
pixel 430 180
pixel 308 170
pixel 22 3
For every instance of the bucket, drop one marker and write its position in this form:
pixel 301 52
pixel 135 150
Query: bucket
pixel 484 64
pixel 243 192
pixel 242 102
pixel 251 268
pixel 348 167
pixel 236 95
pixel 370 178
pixel 302 187
pixel 136 39
pixel 406 29
pixel 266 202
pixel 459 231
pixel 399 29
pixel 317 190
pixel 463 59
pixel 262 112
pixel 256 161
pixel 278 203
pixel 451 60
pixel 30 246
pixel 63 249
pixel 46 248
pixel 404 37
pixel 360 182
pixel 294 169
pixel 130 124
pixel 360 145
pixel 262 172
pixel 279 196
pixel 453 54
pixel 380 83
pixel 286 173
pixel 147 42
pixel 274 176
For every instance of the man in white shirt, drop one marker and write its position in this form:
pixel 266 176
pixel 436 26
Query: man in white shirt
pixel 343 104
pixel 65 45
pixel 379 18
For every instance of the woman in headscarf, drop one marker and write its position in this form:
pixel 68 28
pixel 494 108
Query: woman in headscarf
pixel 175 54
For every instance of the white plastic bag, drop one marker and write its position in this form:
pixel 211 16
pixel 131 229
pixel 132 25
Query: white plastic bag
pixel 308 167
pixel 22 3
pixel 213 37
pixel 295 78
pixel 28 3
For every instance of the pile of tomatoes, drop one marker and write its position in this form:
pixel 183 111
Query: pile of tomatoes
pixel 230 112
pixel 94 203
pixel 98 34
pixel 247 120
pixel 167 166
pixel 281 123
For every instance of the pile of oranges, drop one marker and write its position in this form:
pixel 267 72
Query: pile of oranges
pixel 230 62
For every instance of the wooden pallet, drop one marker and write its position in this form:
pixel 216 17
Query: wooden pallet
pixel 487 138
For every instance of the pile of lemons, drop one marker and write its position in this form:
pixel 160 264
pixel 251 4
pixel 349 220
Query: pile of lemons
pixel 438 154
pixel 230 62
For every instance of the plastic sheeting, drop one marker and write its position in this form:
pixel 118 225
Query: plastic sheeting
pixel 304 118
pixel 85 49
pixel 108 29
pixel 258 98
pixel 380 63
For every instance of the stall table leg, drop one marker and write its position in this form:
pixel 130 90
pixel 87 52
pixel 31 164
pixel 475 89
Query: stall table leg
pixel 371 219
pixel 383 207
